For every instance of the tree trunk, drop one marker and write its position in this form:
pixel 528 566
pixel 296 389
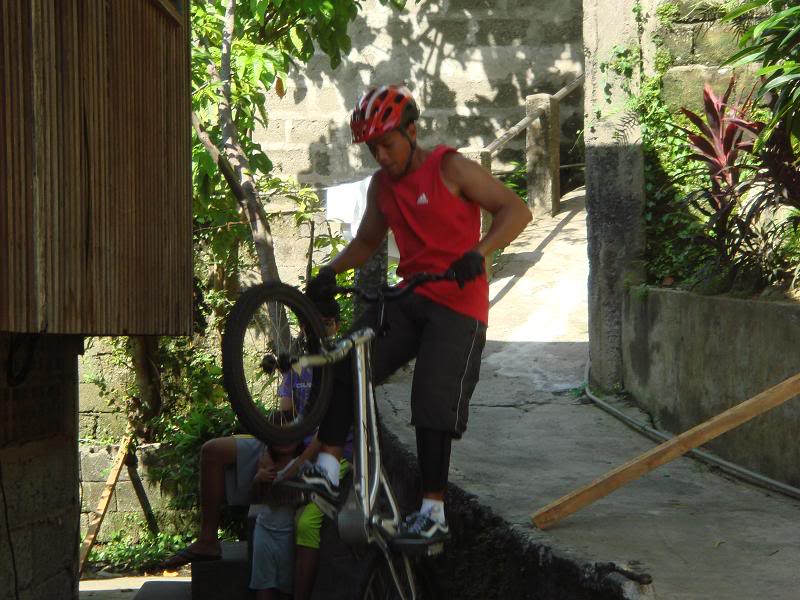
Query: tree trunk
pixel 144 352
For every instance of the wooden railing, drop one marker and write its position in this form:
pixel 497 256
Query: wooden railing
pixel 542 148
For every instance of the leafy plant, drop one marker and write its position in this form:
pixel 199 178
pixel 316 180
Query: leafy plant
pixel 127 552
pixel 719 142
pixel 773 41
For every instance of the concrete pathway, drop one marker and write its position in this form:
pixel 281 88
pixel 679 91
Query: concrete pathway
pixel 128 588
pixel 533 437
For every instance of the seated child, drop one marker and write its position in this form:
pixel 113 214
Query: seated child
pixel 273 537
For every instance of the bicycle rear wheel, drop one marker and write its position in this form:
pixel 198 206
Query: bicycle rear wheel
pixel 376 581
pixel 270 325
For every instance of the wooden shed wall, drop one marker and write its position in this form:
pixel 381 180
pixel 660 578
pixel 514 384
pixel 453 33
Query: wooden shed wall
pixel 95 167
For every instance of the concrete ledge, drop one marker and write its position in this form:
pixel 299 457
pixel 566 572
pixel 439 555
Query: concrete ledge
pixel 688 358
pixel 490 558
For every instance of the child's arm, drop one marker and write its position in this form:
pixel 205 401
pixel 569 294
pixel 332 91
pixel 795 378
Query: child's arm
pixel 309 454
pixel 265 475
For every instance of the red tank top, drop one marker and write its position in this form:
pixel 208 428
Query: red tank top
pixel 432 228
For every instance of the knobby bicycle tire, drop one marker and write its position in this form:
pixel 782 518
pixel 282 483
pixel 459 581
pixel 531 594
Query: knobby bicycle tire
pixel 278 297
pixel 374 580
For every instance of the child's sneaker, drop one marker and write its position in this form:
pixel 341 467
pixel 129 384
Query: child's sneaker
pixel 419 529
pixel 312 478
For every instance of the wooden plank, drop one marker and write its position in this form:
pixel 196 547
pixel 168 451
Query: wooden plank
pixel 666 452
pixel 102 506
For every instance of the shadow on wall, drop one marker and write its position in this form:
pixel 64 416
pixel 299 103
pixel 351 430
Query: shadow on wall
pixel 469 63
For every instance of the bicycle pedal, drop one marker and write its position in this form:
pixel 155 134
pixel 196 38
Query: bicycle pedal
pixel 435 549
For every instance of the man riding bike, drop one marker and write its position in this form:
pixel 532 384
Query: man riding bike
pixel 431 200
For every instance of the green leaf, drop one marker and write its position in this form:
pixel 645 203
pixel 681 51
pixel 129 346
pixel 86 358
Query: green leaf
pixel 297 42
pixel 779 81
pixel 745 8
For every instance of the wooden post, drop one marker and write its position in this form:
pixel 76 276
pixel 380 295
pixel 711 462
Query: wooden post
pixel 670 450
pixel 543 154
pixel 483 157
pixel 102 506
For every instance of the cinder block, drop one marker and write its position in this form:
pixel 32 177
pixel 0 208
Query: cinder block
pixel 327 100
pixel 274 133
pixel 568 28
pixel 291 161
pixel 501 32
pixel 111 426
pixel 321 162
pixel 683 86
pixel 90 400
pixel 714 45
pixel 92 490
pixel 307 131
pixel 680 41
pixel 95 463
pixel 87 426
pixel 470 6
pixel 450 31
pixel 128 501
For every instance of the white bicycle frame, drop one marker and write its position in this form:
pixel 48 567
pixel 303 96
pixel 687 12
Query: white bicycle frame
pixel 358 521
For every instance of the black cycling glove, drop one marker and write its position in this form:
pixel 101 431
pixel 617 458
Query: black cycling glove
pixel 323 286
pixel 467 268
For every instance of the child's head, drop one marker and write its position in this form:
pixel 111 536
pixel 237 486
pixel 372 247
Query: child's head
pixel 289 449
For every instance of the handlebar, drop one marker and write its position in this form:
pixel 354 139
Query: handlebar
pixel 396 292
pixel 344 346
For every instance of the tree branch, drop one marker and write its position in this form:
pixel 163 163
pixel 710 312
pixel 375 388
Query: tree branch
pixel 236 166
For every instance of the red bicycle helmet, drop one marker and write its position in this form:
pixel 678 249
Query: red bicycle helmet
pixel 381 110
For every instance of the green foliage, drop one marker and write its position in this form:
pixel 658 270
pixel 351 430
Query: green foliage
pixel 623 62
pixel 668 13
pixel 517 180
pixel 773 41
pixel 183 435
pixel 125 552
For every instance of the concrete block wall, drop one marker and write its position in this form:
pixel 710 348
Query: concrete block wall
pixel 38 460
pixel 97 419
pixel 688 358
pixel 698 43
pixel 125 510
pixel 470 63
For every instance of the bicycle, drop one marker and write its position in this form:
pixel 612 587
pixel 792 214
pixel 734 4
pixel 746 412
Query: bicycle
pixel 288 337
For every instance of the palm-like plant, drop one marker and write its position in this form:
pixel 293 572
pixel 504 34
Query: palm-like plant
pixel 773 41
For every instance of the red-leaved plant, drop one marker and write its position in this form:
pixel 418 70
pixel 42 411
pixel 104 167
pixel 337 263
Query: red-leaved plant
pixel 721 140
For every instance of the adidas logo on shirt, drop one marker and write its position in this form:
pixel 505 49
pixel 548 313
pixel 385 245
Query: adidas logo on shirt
pixel 423 199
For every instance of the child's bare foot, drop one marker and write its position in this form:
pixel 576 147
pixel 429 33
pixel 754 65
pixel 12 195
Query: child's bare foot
pixel 198 551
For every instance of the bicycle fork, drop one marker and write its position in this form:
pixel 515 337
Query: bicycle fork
pixel 358 520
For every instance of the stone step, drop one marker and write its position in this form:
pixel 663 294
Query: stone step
pixel 226 578
pixel 229 577
pixel 164 590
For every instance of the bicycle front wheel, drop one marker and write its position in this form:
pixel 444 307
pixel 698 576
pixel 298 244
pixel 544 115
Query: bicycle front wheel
pixel 376 581
pixel 270 326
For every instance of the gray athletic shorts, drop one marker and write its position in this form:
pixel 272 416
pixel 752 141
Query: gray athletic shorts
pixel 273 558
pixel 239 477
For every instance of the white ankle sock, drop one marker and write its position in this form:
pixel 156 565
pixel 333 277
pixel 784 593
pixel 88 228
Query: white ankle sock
pixel 433 507
pixel 330 464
